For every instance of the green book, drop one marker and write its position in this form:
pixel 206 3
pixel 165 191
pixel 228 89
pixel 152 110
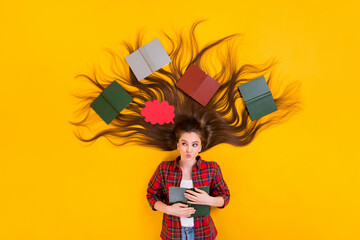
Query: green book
pixel 258 98
pixel 111 102
pixel 176 195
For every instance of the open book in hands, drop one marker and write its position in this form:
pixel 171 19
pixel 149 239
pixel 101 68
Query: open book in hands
pixel 176 195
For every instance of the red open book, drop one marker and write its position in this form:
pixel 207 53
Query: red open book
pixel 198 85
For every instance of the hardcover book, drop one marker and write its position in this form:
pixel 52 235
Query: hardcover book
pixel 111 102
pixel 148 59
pixel 176 195
pixel 198 85
pixel 258 98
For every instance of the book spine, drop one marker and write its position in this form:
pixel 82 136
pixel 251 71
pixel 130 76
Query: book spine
pixel 147 58
pixel 109 102
pixel 258 97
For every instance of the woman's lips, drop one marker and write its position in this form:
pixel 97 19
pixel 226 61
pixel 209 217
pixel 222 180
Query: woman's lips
pixel 188 155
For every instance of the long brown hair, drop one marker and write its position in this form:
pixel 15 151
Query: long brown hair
pixel 224 119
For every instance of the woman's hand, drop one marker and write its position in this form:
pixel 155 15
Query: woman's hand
pixel 180 210
pixel 199 197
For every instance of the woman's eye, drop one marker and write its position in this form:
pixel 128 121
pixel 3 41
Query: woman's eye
pixel 184 144
pixel 195 145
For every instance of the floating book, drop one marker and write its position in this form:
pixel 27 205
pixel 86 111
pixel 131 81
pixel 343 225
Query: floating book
pixel 148 59
pixel 198 85
pixel 258 98
pixel 111 102
pixel 176 195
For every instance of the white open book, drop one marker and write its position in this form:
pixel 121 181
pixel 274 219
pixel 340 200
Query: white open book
pixel 148 59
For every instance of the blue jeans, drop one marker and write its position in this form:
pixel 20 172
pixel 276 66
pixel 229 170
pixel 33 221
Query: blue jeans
pixel 188 233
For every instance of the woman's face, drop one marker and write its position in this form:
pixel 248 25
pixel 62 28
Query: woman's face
pixel 189 145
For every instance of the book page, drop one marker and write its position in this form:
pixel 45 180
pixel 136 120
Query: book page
pixel 138 65
pixel 155 55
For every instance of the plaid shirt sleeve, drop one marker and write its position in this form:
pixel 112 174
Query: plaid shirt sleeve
pixel 219 187
pixel 155 188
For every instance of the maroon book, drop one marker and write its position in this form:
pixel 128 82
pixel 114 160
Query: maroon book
pixel 198 85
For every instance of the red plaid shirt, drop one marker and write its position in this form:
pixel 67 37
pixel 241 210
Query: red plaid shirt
pixel 169 174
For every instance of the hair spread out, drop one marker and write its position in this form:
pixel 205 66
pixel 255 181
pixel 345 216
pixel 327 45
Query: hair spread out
pixel 224 119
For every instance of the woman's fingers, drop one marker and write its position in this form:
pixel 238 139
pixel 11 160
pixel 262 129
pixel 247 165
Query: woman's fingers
pixel 182 210
pixel 191 197
pixel 187 211
pixel 191 192
pixel 200 197
pixel 188 196
pixel 182 205
pixel 199 190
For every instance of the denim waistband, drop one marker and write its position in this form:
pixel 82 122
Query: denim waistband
pixel 187 228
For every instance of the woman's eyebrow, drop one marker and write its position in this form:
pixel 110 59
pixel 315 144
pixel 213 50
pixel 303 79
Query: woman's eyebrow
pixel 195 141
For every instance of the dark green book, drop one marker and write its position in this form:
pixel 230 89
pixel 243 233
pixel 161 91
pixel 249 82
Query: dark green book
pixel 176 195
pixel 111 102
pixel 258 98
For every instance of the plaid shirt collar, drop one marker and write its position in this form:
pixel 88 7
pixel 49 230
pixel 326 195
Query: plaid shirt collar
pixel 198 164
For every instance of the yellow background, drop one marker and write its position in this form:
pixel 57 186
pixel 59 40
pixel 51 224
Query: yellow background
pixel 299 180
